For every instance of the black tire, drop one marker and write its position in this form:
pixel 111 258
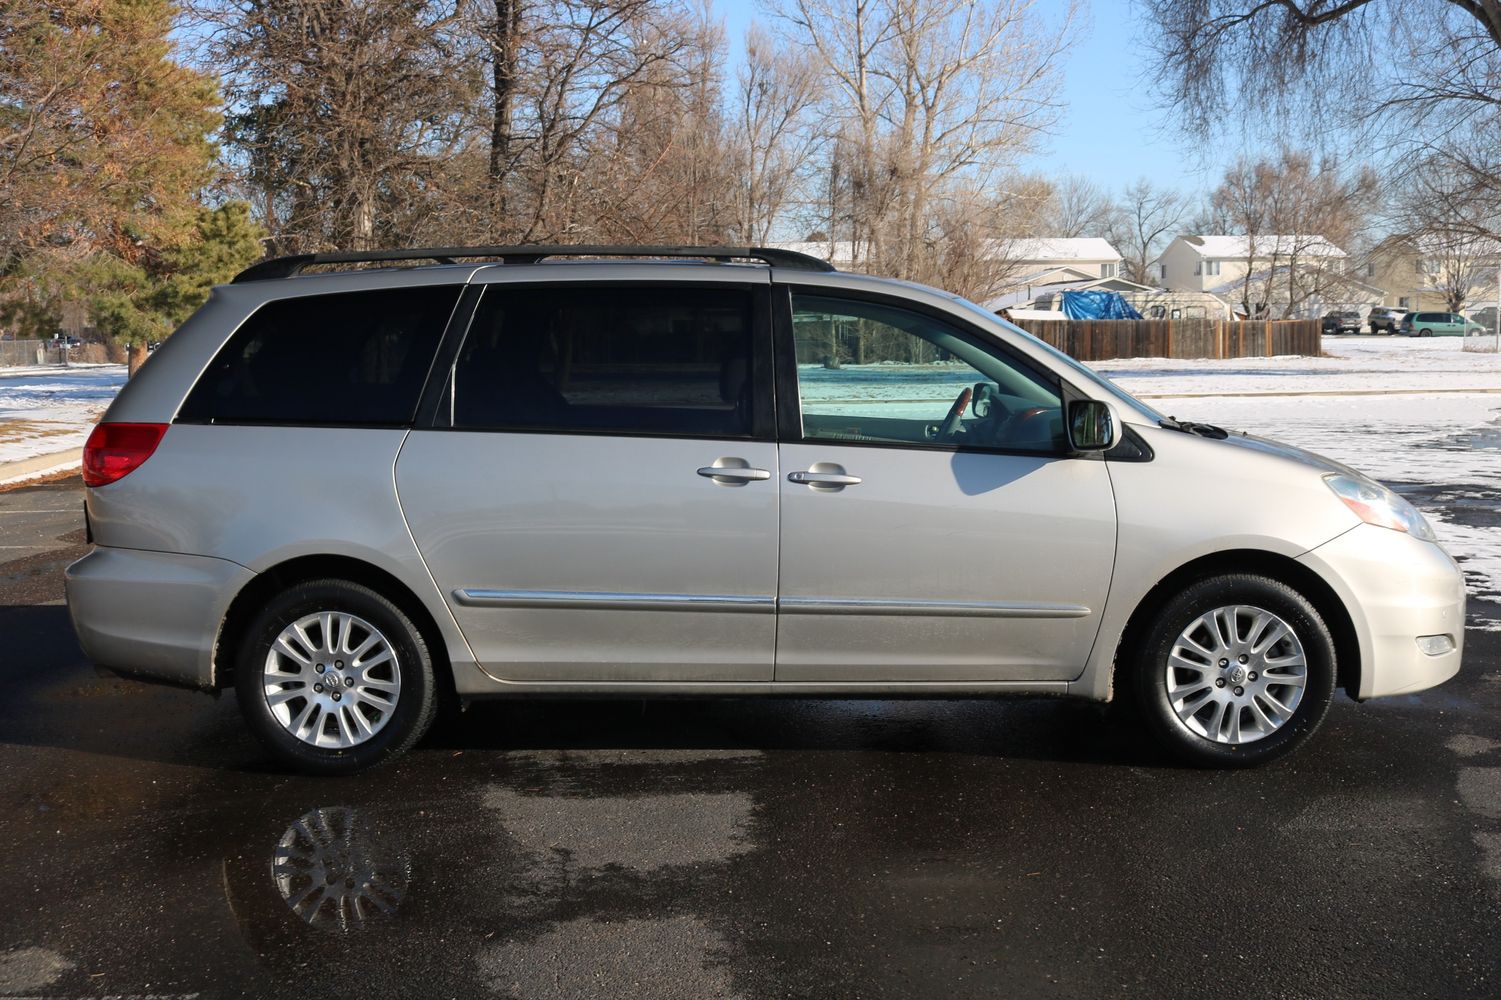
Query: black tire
pixel 416 698
pixel 1425 333
pixel 1148 665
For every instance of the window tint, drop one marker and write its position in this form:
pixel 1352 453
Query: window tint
pixel 871 372
pixel 351 358
pixel 651 360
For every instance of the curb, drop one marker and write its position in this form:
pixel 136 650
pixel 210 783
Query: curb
pixel 13 473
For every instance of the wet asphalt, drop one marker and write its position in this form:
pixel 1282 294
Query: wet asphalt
pixel 739 848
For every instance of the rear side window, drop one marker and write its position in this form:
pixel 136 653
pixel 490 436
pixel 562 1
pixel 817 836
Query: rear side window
pixel 668 360
pixel 356 358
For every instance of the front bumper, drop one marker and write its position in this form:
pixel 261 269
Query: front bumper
pixel 152 614
pixel 1396 588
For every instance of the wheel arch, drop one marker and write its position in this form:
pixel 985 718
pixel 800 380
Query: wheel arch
pixel 1279 567
pixel 264 585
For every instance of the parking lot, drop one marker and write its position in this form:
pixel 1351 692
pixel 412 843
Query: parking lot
pixel 773 848
pixel 739 848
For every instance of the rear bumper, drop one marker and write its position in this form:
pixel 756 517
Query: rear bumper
pixel 1396 589
pixel 152 614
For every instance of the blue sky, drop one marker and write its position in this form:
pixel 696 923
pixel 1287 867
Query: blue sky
pixel 1111 130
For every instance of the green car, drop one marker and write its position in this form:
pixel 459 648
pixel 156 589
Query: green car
pixel 1438 324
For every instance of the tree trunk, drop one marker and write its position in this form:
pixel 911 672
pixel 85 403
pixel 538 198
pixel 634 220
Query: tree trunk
pixel 135 357
pixel 506 43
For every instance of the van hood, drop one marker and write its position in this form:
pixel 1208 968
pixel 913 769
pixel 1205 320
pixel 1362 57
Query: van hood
pixel 1266 446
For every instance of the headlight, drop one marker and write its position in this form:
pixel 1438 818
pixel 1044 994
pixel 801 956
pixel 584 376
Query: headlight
pixel 1375 504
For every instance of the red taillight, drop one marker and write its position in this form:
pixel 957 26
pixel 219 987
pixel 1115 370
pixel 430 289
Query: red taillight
pixel 114 451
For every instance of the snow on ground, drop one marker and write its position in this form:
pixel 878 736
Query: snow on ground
pixel 48 409
pixel 1442 449
pixel 1352 364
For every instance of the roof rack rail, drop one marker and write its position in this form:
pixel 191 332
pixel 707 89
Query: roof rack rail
pixel 293 264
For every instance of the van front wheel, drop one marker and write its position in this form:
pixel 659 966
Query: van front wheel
pixel 333 677
pixel 1235 671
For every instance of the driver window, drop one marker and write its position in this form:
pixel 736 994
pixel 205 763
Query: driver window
pixel 876 373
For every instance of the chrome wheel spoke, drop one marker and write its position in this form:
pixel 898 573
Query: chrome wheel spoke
pixel 322 692
pixel 284 695
pixel 285 648
pixel 1223 669
pixel 384 656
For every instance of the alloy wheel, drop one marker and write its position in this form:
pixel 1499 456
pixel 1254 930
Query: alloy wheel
pixel 1236 675
pixel 332 680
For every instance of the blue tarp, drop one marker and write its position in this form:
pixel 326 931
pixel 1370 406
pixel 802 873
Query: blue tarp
pixel 1097 305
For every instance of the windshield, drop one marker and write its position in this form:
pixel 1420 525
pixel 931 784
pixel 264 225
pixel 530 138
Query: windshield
pixel 1083 371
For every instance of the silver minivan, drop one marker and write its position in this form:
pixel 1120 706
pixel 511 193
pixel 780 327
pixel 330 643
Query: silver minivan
pixel 499 473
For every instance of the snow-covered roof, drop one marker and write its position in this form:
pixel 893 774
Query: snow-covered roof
pixel 835 252
pixel 1049 248
pixel 1057 248
pixel 1262 246
pixel 1022 297
pixel 1437 245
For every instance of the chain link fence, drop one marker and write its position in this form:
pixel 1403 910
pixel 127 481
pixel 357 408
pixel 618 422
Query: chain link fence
pixel 1483 343
pixel 15 353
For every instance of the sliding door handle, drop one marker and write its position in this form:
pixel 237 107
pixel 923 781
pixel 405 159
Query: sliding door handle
pixel 823 478
pixel 731 474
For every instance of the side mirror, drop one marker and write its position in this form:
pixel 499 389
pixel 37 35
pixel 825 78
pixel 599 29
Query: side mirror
pixel 1092 425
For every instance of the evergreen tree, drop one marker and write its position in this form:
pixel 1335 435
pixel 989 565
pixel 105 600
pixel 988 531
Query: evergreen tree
pixel 104 149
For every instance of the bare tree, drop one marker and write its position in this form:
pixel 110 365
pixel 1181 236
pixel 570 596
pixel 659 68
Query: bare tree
pixel 928 98
pixel 1293 213
pixel 664 176
pixel 1079 207
pixel 1145 218
pixel 1447 233
pixel 1318 65
pixel 773 141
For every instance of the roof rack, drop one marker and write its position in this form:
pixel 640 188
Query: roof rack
pixel 293 264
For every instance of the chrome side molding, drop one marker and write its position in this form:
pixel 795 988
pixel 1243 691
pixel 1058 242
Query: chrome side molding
pixel 929 609
pixel 721 603
pixel 591 601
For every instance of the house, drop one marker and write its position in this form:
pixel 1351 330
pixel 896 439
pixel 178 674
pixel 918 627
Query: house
pixel 1287 275
pixel 1429 272
pixel 1026 262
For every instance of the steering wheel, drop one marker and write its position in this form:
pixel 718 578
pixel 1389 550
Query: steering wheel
pixel 1018 421
pixel 950 426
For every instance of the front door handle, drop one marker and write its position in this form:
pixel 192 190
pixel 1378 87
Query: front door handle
pixel 823 478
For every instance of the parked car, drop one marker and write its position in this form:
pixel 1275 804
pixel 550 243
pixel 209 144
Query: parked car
pixel 345 494
pixel 1485 318
pixel 1341 321
pixel 1438 324
pixel 1385 319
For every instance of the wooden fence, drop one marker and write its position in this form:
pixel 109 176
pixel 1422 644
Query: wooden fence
pixel 1106 339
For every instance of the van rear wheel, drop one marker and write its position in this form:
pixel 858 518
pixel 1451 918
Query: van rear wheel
pixel 1235 671
pixel 332 677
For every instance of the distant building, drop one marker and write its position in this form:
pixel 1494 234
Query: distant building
pixel 1027 261
pixel 1429 272
pixel 1307 271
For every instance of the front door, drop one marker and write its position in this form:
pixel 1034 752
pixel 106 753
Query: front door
pixel 933 528
pixel 598 503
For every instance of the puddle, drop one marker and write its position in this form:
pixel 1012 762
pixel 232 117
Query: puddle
pixel 335 874
pixel 1487 438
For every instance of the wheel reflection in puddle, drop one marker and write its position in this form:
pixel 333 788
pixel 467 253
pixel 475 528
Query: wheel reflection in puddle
pixel 334 875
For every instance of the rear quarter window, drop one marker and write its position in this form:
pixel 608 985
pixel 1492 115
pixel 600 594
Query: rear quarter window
pixel 353 358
